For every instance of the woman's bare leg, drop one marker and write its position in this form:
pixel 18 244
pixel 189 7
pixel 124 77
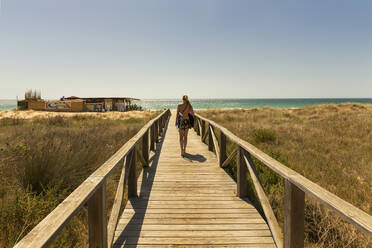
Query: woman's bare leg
pixel 181 132
pixel 185 140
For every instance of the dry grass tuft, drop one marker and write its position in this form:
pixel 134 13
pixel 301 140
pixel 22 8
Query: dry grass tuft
pixel 42 160
pixel 329 144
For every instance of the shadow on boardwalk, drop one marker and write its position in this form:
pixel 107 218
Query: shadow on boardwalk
pixel 195 157
pixel 141 202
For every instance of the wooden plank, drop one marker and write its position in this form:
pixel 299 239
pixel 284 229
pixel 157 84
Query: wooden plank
pixel 264 201
pixel 190 183
pixel 199 246
pixel 230 158
pixel 221 203
pixel 191 216
pixel 190 205
pixel 196 234
pixel 97 223
pixel 196 240
pixel 181 227
pixel 191 198
pixel 345 210
pixel 294 216
pixel 186 210
pixel 192 221
pixel 176 193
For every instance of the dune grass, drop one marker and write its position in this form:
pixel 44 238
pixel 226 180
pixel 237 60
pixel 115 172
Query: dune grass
pixel 43 160
pixel 329 144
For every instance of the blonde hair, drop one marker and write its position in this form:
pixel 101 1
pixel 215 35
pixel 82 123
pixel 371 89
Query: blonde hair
pixel 186 99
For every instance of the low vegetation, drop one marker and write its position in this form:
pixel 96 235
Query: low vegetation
pixel 329 144
pixel 42 160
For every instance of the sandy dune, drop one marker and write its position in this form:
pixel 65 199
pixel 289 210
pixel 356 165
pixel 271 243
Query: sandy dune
pixel 31 114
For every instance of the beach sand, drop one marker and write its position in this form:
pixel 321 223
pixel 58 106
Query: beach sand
pixel 31 114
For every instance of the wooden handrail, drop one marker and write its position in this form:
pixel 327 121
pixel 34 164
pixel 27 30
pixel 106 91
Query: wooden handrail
pixel 93 192
pixel 269 213
pixel 294 183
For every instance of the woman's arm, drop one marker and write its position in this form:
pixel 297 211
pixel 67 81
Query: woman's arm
pixel 191 110
pixel 178 110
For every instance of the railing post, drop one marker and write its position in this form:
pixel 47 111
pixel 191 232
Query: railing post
pixel 210 138
pixel 145 147
pixel 156 131
pixel 160 125
pixel 294 207
pixel 97 218
pixel 152 138
pixel 202 123
pixel 222 143
pixel 242 170
pixel 197 126
pixel 132 177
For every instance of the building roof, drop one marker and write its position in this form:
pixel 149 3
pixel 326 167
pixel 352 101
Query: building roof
pixel 101 98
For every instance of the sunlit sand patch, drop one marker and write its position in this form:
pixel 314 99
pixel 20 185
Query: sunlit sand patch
pixel 31 114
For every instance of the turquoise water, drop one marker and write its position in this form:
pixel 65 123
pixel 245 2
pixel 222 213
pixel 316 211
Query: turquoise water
pixel 8 104
pixel 248 103
pixel 228 103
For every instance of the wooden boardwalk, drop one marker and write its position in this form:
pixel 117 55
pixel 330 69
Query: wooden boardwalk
pixel 188 202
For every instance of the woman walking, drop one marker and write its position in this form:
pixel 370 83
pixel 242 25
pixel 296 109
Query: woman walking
pixel 184 113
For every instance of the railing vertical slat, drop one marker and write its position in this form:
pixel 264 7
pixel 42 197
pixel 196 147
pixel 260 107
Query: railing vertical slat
pixel 294 206
pixel 222 143
pixel 132 177
pixel 210 139
pixel 242 183
pixel 156 131
pixel 152 138
pixel 199 128
pixel 97 218
pixel 202 130
pixel 145 148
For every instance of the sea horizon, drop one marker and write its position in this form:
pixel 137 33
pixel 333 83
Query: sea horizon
pixel 226 103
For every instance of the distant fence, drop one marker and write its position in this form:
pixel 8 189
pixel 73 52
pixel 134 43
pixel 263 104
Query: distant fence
pixel 295 186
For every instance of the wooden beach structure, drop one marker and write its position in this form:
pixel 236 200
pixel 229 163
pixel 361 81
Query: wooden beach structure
pixel 191 201
pixel 78 104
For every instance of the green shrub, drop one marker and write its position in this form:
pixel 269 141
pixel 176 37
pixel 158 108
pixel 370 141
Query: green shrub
pixel 264 135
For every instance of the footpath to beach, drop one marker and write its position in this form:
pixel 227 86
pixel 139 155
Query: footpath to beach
pixel 190 201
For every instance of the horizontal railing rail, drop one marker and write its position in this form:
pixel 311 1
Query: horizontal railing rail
pixel 295 185
pixel 93 192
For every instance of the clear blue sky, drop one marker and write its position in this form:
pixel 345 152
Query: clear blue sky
pixel 162 49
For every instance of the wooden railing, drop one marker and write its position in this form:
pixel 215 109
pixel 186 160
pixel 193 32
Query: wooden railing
pixel 93 192
pixel 295 186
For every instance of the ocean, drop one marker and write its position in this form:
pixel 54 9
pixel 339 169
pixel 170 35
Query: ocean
pixel 155 104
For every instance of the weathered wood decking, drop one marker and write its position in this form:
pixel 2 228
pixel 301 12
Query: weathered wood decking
pixel 188 202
